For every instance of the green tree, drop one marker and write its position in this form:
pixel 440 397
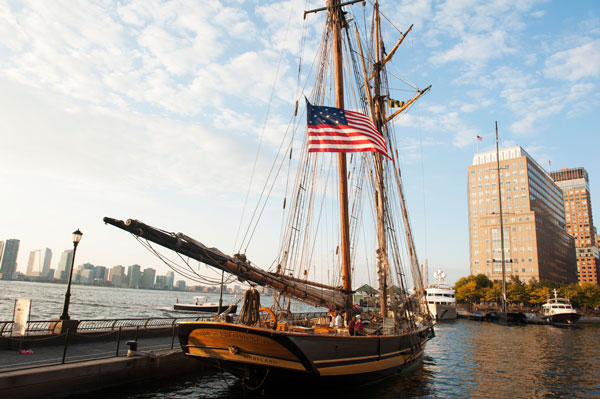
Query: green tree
pixel 516 291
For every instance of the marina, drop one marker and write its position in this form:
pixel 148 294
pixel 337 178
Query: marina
pixel 256 192
pixel 552 360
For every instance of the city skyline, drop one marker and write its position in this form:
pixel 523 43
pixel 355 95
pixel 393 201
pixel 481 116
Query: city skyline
pixel 155 111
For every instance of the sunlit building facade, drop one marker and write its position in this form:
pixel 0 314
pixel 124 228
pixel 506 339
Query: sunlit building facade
pixel 8 258
pixel 536 244
pixel 579 222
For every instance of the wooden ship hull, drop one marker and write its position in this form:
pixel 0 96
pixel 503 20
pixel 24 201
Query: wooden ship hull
pixel 258 353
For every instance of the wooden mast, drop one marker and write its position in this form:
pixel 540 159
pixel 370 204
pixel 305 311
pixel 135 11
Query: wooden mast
pixel 379 120
pixel 501 225
pixel 336 20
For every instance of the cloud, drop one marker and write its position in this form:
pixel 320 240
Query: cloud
pixel 117 151
pixel 576 63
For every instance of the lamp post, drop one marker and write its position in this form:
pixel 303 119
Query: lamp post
pixel 76 238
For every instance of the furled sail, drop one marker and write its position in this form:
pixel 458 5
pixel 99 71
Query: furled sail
pixel 313 293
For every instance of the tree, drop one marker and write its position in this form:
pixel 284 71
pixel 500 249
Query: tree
pixel 537 295
pixel 468 292
pixel 516 292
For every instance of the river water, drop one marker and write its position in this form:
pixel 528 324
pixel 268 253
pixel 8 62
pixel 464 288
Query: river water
pixel 465 359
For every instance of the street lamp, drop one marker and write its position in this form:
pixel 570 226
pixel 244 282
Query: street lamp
pixel 76 238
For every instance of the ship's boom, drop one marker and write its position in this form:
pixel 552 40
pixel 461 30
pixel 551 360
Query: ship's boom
pixel 312 293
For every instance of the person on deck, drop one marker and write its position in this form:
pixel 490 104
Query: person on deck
pixel 339 321
pixel 359 327
pixel 351 325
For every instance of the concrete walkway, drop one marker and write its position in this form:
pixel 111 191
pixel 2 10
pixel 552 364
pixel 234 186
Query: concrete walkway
pixel 15 359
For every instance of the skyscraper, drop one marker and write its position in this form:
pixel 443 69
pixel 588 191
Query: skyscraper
pixel 64 265
pixel 8 261
pixel 117 276
pixel 134 275
pixel 579 222
pixel 148 278
pixel 170 279
pixel 536 244
pixel 39 263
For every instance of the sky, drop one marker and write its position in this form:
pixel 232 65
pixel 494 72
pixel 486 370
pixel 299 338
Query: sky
pixel 154 110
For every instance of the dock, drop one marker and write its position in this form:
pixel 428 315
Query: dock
pixel 50 365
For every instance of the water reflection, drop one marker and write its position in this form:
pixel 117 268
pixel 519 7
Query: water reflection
pixel 465 359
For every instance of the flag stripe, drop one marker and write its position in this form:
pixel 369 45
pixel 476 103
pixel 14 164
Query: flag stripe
pixel 324 130
pixel 336 130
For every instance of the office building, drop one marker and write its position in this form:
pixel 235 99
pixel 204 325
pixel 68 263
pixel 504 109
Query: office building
pixel 8 258
pixel 134 276
pixel 64 265
pixel 148 278
pixel 160 283
pixel 579 222
pixel 39 263
pixel 536 245
pixel 170 280
pixel 117 276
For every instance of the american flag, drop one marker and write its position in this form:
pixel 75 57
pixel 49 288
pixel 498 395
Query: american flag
pixel 479 138
pixel 336 130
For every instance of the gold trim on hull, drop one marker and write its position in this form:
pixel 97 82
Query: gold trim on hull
pixel 268 348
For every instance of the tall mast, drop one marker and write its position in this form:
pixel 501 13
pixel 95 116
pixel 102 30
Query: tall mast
pixel 501 224
pixel 379 121
pixel 336 20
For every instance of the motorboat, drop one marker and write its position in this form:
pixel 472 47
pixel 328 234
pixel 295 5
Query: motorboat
pixel 201 304
pixel 440 298
pixel 559 311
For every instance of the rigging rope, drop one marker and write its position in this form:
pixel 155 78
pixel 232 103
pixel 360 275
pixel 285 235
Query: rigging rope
pixel 249 315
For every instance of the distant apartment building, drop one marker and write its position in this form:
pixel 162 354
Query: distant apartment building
pixel 536 244
pixel 8 258
pixel 134 276
pixel 117 276
pixel 160 283
pixel 64 265
pixel 39 263
pixel 180 285
pixel 579 222
pixel 148 278
pixel 84 274
pixel 170 280
pixel 100 275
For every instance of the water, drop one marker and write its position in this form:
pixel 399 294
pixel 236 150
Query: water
pixel 465 359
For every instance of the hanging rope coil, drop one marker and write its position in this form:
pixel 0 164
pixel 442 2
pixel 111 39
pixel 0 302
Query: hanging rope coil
pixel 249 314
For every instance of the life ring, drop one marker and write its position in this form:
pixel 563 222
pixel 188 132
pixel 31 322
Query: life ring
pixel 266 320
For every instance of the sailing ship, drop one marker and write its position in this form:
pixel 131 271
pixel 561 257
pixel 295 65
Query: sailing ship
pixel 272 345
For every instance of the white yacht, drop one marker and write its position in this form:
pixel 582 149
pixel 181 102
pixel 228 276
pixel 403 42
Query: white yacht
pixel 440 298
pixel 559 311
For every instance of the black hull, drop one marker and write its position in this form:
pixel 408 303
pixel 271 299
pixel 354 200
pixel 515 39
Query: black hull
pixel 512 317
pixel 204 309
pixel 274 358
pixel 562 319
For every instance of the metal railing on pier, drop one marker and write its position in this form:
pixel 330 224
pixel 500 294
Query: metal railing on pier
pixel 42 345
pixel 36 327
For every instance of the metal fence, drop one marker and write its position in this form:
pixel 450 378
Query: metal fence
pixel 36 327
